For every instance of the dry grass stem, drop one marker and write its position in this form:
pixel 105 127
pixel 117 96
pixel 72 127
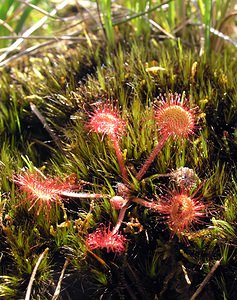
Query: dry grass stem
pixel 58 288
pixel 32 277
pixel 206 279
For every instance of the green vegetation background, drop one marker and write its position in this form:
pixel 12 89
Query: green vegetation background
pixel 62 57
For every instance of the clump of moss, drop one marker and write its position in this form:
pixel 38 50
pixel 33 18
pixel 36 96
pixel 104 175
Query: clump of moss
pixel 53 138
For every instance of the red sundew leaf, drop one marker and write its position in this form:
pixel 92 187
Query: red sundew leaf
pixel 104 238
pixel 106 120
pixel 174 117
pixel 182 210
pixel 40 191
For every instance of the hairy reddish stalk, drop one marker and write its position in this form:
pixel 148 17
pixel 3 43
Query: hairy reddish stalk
pixel 120 219
pixel 82 195
pixel 122 211
pixel 147 204
pixel 152 156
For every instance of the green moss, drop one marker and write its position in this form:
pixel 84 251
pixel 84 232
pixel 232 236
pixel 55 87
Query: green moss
pixel 64 87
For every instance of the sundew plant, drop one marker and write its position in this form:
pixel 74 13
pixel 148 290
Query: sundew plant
pixel 118 131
